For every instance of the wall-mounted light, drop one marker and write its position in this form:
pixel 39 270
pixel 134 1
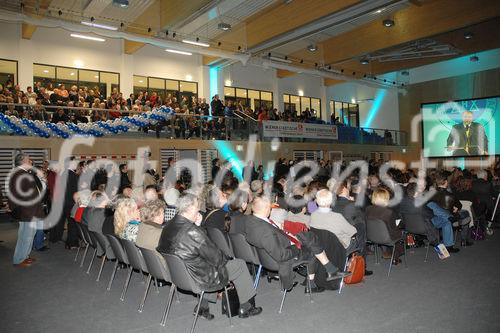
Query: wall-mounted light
pixel 300 92
pixel 96 39
pixel 388 23
pixel 189 77
pixel 228 83
pixel 179 52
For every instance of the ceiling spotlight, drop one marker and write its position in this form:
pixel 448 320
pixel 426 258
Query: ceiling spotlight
pixel 353 73
pixel 375 78
pixel 468 35
pixel 312 48
pixel 364 61
pixel 224 26
pixel 173 35
pixel 474 58
pixel 405 73
pixel 219 44
pixel 393 82
pixel 92 19
pixel 149 29
pixel 388 23
pixel 269 54
pixel 315 64
pixel 166 33
pixel 122 25
pixel 330 67
pixel 121 3
pixel 197 39
pixel 239 48
pixel 301 61
pixel 60 13
pixel 402 84
pixel 341 71
pixel 364 76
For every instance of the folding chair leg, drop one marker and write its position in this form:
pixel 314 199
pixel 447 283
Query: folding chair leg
pixel 342 280
pixel 156 284
pixel 84 254
pixel 257 278
pixel 376 254
pixel 228 307
pixel 197 310
pixel 427 251
pixel 92 260
pixel 125 286
pixel 392 259
pixel 77 252
pixel 309 285
pixel 282 301
pixel 113 275
pixel 100 269
pixel 406 264
pixel 168 305
pixel 148 283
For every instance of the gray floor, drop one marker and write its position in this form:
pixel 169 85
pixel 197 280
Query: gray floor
pixel 460 294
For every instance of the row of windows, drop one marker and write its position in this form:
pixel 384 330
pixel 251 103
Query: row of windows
pixel 299 104
pixel 254 99
pixel 345 113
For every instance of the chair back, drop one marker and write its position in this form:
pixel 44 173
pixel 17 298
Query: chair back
pixel 266 260
pixel 134 255
pixel 294 227
pixel 118 250
pixel 414 223
pixel 92 242
pixel 156 266
pixel 82 233
pixel 104 244
pixel 376 232
pixel 179 274
pixel 467 205
pixel 243 250
pixel 220 240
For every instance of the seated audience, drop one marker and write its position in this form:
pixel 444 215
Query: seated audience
pixel 209 267
pixel 127 219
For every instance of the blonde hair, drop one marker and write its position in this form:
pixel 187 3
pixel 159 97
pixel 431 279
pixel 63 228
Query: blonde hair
pixel 122 214
pixel 380 197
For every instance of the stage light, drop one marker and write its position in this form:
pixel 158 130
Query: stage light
pixel 474 58
pixel 468 35
pixel 312 48
pixel 224 26
pixel 388 23
pixel 364 61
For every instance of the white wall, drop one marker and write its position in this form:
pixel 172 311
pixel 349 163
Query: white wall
pixel 384 107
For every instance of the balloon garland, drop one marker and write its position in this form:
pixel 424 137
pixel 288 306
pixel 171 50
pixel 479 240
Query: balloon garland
pixel 44 129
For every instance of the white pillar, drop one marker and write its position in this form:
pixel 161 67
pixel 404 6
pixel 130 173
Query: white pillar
pixel 127 74
pixel 25 64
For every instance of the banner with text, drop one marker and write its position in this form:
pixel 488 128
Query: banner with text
pixel 283 129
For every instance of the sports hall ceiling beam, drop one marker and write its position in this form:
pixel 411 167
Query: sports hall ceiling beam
pixel 331 82
pixel 414 22
pixel 486 36
pixel 130 47
pixel 28 30
pixel 208 60
pixel 281 18
pixel 282 73
pixel 34 9
pixel 174 11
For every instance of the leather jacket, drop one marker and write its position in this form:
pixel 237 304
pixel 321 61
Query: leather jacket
pixel 205 263
pixel 446 199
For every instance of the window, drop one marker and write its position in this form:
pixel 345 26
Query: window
pixel 298 104
pixel 254 99
pixel 166 88
pixel 345 113
pixel 105 82
pixel 8 72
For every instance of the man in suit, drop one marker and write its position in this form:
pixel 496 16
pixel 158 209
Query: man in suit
pixel 484 191
pixel 152 221
pixel 56 233
pixel 468 137
pixel 284 248
pixel 25 201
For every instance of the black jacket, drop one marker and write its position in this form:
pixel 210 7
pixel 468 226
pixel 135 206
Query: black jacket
pixel 263 235
pixel 23 188
pixel 215 219
pixel 446 200
pixel 205 263
pixel 477 140
pixel 352 213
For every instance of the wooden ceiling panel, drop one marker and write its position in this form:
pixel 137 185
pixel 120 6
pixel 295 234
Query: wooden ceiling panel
pixel 414 22
pixel 174 11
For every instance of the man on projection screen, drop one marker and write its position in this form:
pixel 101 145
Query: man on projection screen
pixel 468 137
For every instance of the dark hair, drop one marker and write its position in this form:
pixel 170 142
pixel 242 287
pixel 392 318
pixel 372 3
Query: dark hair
pixel 441 179
pixel 411 189
pixel 237 199
pixel 122 166
pixel 297 209
pixel 18 160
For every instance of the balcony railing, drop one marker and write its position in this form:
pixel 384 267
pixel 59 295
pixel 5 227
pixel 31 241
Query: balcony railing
pixel 192 126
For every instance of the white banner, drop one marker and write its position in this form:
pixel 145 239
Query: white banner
pixel 284 129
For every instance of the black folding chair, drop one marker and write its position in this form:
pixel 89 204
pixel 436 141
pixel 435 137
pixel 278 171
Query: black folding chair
pixel 243 250
pixel 377 233
pixel 415 224
pixel 108 251
pixel 158 270
pixel 220 240
pixel 92 243
pixel 85 241
pixel 272 265
pixel 182 280
pixel 136 262
pixel 121 257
